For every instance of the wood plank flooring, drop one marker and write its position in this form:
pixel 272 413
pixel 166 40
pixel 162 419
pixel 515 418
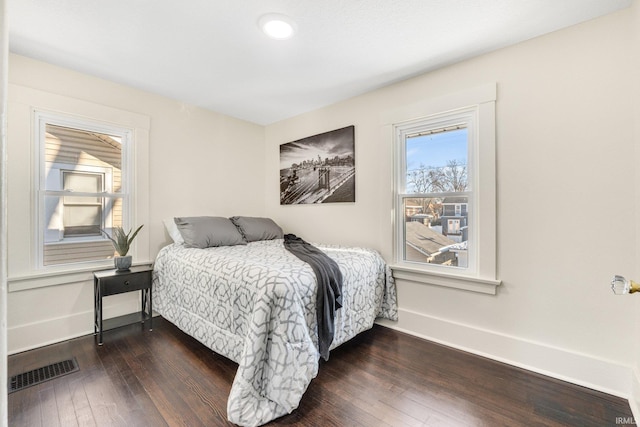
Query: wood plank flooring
pixel 380 378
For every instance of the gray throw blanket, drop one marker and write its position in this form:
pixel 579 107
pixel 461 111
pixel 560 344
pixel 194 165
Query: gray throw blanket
pixel 329 296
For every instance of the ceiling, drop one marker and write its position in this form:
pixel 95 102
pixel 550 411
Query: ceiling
pixel 211 53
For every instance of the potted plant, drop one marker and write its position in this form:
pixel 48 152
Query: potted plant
pixel 121 242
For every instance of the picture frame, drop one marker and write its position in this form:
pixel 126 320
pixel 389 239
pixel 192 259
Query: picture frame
pixel 319 168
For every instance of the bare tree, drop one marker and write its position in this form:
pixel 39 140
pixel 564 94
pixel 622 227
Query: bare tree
pixel 419 180
pixel 430 179
pixel 453 177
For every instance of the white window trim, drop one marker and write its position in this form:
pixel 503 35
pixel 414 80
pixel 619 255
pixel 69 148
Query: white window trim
pixel 465 118
pixel 108 178
pixel 22 103
pixel 85 168
pixel 483 276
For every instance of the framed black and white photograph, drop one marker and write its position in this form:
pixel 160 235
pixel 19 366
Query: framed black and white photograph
pixel 319 168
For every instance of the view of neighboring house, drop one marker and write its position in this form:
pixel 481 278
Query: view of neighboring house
pixel 88 164
pixel 454 218
pixel 440 240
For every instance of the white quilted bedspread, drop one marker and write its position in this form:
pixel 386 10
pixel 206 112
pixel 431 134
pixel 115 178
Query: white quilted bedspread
pixel 255 304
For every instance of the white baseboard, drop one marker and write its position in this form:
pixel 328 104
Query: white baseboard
pixel 577 368
pixel 50 331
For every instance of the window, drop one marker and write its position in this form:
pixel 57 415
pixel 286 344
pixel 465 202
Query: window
pixel 82 188
pixel 82 216
pixel 436 176
pixel 444 198
pixel 51 177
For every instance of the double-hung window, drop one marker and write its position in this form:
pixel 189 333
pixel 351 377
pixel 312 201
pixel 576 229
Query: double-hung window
pixel 83 216
pixel 444 199
pixel 435 200
pixel 78 169
pixel 83 188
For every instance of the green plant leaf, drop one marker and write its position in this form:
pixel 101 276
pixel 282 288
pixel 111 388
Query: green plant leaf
pixel 121 240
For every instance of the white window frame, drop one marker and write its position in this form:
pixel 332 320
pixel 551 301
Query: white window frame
pixel 108 178
pixel 41 120
pixel 100 202
pixel 464 118
pixel 476 108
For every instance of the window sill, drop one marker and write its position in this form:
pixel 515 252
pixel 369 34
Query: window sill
pixel 57 277
pixel 473 284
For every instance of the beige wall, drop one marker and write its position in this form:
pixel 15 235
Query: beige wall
pixel 198 163
pixel 633 331
pixel 565 191
pixel 4 56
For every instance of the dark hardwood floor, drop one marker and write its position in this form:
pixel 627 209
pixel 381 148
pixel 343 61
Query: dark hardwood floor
pixel 380 378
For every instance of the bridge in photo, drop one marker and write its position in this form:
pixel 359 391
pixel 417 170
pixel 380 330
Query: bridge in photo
pixel 313 184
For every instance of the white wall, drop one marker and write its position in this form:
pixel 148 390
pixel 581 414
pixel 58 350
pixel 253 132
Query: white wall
pixel 634 327
pixel 4 71
pixel 199 163
pixel 565 156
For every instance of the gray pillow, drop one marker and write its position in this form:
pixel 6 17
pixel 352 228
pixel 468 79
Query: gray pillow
pixel 208 231
pixel 254 229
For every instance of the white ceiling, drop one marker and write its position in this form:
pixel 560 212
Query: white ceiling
pixel 212 54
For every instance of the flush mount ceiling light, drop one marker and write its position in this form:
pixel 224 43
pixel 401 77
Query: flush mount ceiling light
pixel 277 26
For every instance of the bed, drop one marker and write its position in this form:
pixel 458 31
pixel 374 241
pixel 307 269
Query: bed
pixel 254 303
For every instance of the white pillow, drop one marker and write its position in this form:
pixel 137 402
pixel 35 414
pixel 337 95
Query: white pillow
pixel 173 231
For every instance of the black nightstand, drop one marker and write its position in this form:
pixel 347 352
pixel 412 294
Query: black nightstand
pixel 112 282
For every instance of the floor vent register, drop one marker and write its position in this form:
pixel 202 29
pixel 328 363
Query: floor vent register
pixel 40 375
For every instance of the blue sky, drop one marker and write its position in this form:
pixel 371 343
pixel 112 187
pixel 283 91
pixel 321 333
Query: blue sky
pixel 437 149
